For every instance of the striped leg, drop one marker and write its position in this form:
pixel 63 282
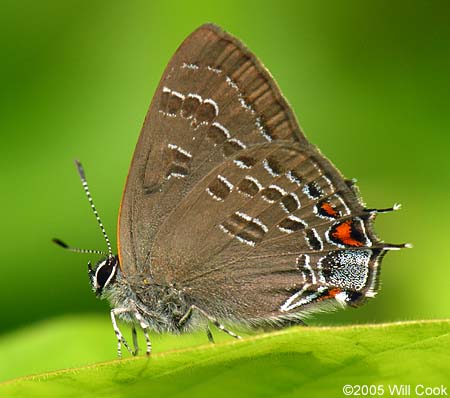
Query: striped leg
pixel 144 327
pixel 120 338
pixel 135 341
pixel 211 319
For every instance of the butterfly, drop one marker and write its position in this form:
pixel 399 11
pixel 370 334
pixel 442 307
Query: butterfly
pixel 230 216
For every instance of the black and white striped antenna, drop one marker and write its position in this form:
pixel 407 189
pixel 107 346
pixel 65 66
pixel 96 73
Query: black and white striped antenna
pixel 64 245
pixel 91 202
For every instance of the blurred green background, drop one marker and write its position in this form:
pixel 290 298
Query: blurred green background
pixel 369 82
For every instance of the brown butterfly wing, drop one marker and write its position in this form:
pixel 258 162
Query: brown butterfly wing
pixel 247 239
pixel 214 100
pixel 228 201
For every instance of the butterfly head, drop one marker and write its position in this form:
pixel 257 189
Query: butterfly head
pixel 103 275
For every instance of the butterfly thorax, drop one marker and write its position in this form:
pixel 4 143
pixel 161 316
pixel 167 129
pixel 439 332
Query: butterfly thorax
pixel 162 307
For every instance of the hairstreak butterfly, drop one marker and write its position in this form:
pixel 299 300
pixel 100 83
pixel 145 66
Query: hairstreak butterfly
pixel 229 215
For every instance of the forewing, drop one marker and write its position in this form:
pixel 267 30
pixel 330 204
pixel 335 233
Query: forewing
pixel 214 100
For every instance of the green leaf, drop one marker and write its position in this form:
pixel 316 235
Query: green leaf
pixel 296 362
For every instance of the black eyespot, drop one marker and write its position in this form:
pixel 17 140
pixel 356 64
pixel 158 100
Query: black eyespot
pixel 354 298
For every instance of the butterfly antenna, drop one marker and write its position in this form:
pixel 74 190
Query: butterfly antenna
pixel 91 202
pixel 76 249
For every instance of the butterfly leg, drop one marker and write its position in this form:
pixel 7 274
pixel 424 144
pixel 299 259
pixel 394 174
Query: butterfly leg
pixel 187 316
pixel 135 341
pixel 120 339
pixel 209 334
pixel 223 328
pixel 211 319
pixel 144 327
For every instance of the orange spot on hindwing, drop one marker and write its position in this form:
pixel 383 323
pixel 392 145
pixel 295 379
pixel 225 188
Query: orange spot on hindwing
pixel 349 233
pixel 330 293
pixel 326 209
pixel 334 292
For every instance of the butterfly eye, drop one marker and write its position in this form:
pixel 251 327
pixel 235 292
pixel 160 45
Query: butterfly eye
pixel 106 271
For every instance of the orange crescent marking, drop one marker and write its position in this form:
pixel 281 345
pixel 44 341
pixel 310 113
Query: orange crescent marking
pixel 332 293
pixel 329 209
pixel 343 233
